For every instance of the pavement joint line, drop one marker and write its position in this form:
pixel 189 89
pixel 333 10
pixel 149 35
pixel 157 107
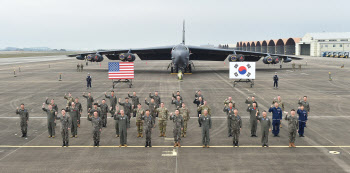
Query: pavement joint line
pixel 224 146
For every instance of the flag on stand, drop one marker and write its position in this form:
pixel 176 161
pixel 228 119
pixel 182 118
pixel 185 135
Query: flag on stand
pixel 121 70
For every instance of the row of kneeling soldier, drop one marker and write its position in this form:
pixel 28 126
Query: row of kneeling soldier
pixel 145 119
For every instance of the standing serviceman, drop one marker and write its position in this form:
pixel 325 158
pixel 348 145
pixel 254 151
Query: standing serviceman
pixel 280 103
pixel 74 113
pixel 115 113
pixel 104 111
pixel 205 120
pixel 148 128
pixel 276 119
pixel 185 112
pixel 113 99
pixel 24 116
pixel 89 101
pixel 96 122
pixel 250 101
pixel 135 102
pixel 198 94
pixel 51 119
pixel 52 103
pixel 69 99
pixel 229 100
pixel 177 102
pixel 302 120
pixel 88 81
pixel 305 103
pixel 177 94
pixel 152 108
pixel 178 126
pixel 81 67
pixel 252 109
pixel 293 125
pixel 127 108
pixel 66 123
pixel 199 102
pixel 80 108
pixel 123 126
pixel 265 123
pixel 139 122
pixel 156 98
pixel 229 112
pixel 236 127
pixel 95 108
pixel 163 115
pixel 275 81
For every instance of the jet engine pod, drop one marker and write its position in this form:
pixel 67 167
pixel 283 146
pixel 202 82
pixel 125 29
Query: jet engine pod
pixel 80 57
pixel 98 57
pixel 271 60
pixel 232 58
pixel 240 57
pixel 130 57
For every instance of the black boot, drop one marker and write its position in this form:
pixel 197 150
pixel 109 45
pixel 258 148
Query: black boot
pixel 233 143
pixel 149 144
pixel 67 144
pixel 237 144
pixel 64 144
pixel 97 143
pixel 146 144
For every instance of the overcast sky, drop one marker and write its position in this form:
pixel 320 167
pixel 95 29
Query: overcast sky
pixel 114 24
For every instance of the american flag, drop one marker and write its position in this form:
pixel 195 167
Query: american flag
pixel 121 70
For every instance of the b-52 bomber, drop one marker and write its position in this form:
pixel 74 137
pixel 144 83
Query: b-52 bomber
pixel 182 55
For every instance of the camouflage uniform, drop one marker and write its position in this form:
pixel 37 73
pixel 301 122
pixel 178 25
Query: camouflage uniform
pixel 24 116
pixel 293 125
pixel 156 99
pixel 152 108
pixel 162 120
pixel 186 116
pixel 178 124
pixel 66 123
pixel 69 99
pixel 236 128
pixel 305 104
pixel 104 111
pixel 97 126
pixel 148 129
pixel 139 123
pixel 226 103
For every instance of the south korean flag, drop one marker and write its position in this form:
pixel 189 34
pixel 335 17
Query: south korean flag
pixel 242 70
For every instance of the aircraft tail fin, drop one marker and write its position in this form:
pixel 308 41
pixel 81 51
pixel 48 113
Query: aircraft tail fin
pixel 183 32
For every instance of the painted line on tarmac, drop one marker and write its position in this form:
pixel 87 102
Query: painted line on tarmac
pixel 113 146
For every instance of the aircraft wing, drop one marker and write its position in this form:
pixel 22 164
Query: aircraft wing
pixel 154 53
pixel 217 54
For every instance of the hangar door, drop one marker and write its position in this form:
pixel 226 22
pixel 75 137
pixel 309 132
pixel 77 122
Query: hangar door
pixel 305 49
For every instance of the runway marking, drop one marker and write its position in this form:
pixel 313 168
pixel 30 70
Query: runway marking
pixel 224 146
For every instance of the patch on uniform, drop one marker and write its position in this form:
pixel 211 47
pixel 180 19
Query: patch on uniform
pixel 334 152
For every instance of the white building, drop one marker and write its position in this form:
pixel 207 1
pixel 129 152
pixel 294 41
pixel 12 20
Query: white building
pixel 313 44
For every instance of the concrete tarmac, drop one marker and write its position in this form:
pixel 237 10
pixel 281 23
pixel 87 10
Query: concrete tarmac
pixel 326 132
